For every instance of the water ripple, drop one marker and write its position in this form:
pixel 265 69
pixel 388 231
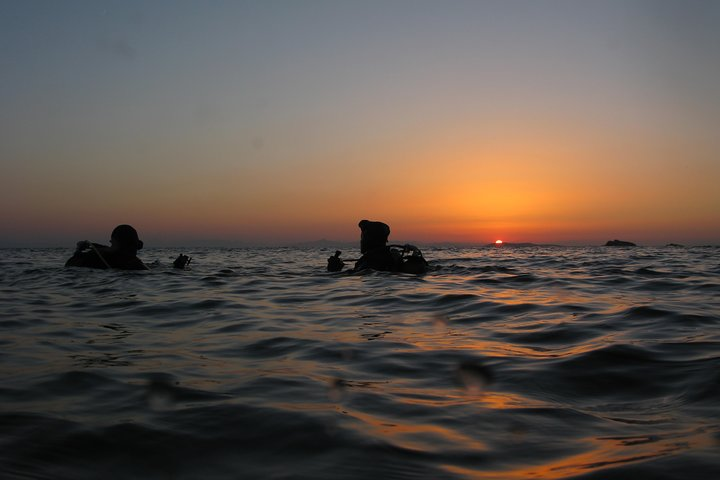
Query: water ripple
pixel 537 362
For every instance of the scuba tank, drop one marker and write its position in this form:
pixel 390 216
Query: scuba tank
pixel 392 258
pixel 409 258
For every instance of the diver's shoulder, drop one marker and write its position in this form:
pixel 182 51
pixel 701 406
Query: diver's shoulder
pixel 125 262
pixel 85 259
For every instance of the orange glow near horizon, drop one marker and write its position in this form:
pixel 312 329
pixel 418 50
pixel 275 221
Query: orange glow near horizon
pixel 531 190
pixel 302 149
pixel 505 196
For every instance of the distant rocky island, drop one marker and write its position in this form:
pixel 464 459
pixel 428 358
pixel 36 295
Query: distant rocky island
pixel 619 243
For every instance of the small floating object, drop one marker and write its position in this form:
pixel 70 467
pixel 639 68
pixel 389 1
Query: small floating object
pixel 440 321
pixel 336 389
pixel 160 394
pixel 474 377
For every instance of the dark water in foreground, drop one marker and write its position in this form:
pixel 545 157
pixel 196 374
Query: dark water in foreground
pixel 593 363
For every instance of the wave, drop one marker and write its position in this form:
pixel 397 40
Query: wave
pixel 256 363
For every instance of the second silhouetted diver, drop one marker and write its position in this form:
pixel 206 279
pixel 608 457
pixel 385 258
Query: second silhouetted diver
pixel 378 255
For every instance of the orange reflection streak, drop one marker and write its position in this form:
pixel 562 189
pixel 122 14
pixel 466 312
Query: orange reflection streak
pixel 486 399
pixel 605 453
pixel 444 336
pixel 414 436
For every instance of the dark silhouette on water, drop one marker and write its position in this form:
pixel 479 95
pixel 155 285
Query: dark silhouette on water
pixel 377 255
pixel 619 243
pixel 121 254
pixel 335 263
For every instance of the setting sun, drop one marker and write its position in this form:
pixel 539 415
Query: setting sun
pixel 255 145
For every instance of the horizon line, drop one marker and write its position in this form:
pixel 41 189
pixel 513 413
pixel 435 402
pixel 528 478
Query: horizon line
pixel 324 243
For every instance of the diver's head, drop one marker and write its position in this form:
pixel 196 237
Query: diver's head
pixel 125 238
pixel 372 235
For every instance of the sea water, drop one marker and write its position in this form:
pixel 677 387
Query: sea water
pixel 500 363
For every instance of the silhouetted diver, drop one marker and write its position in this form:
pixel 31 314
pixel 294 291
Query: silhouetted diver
pixel 121 254
pixel 377 255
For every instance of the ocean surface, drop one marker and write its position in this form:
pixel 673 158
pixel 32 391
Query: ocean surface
pixel 500 363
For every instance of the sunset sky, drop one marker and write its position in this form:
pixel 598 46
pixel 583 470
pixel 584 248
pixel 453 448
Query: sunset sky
pixel 280 121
